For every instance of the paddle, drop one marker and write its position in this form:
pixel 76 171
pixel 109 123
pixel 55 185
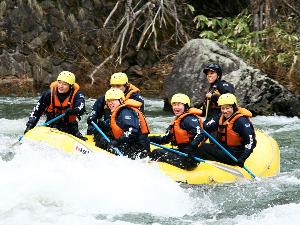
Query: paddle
pixel 207 105
pixel 106 138
pixel 228 153
pixel 53 120
pixel 219 166
pixel 42 124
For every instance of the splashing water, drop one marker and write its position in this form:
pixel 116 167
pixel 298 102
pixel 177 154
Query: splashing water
pixel 42 185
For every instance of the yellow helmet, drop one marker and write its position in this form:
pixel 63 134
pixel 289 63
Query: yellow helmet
pixel 227 99
pixel 67 77
pixel 182 98
pixel 118 79
pixel 114 93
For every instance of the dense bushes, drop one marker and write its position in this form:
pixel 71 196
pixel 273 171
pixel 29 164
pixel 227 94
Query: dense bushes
pixel 274 50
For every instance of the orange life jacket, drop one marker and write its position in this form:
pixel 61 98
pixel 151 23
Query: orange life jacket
pixel 226 134
pixel 56 107
pixel 131 89
pixel 181 136
pixel 133 104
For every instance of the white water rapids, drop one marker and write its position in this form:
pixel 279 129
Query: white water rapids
pixel 41 185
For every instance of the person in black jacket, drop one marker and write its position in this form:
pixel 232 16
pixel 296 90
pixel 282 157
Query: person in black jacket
pixel 185 132
pixel 129 128
pixel 235 132
pixel 100 112
pixel 64 96
pixel 217 87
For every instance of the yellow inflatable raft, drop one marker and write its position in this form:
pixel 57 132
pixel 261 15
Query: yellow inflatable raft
pixel 263 162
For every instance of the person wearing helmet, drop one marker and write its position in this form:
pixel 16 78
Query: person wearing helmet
pixel 234 131
pixel 185 132
pixel 63 96
pixel 118 80
pixel 217 87
pixel 129 128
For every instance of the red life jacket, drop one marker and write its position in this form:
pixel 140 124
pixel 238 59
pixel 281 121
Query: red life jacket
pixel 226 134
pixel 181 136
pixel 131 89
pixel 56 107
pixel 133 104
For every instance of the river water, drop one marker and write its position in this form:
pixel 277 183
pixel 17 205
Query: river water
pixel 41 186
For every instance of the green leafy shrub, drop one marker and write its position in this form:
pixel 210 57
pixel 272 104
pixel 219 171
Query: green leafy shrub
pixel 271 49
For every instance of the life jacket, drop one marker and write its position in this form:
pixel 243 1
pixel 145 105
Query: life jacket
pixel 226 134
pixel 131 89
pixel 56 107
pixel 181 136
pixel 134 105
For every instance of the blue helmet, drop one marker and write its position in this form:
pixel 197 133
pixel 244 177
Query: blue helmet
pixel 213 67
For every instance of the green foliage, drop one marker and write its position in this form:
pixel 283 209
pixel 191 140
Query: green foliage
pixel 285 42
pixel 268 49
pixel 191 8
pixel 232 32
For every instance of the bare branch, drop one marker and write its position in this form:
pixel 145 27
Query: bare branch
pixel 155 40
pixel 99 67
pixel 291 7
pixel 111 13
pixel 152 24
pixel 162 18
pixel 123 34
pixel 154 13
pixel 292 69
pixel 138 46
pixel 122 42
pixel 153 30
pixel 131 32
pixel 146 6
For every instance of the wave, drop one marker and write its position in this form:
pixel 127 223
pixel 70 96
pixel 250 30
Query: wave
pixel 41 179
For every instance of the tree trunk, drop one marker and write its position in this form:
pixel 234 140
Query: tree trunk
pixel 255 7
pixel 267 19
pixel 263 13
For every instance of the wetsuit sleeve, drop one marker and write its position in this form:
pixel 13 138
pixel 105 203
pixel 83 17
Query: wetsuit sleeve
pixel 223 87
pixel 39 109
pixel 96 114
pixel 79 103
pixel 162 139
pixel 211 125
pixel 136 96
pixel 192 125
pixel 246 131
pixel 98 109
pixel 129 122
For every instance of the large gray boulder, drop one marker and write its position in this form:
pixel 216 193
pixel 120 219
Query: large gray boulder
pixel 254 89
